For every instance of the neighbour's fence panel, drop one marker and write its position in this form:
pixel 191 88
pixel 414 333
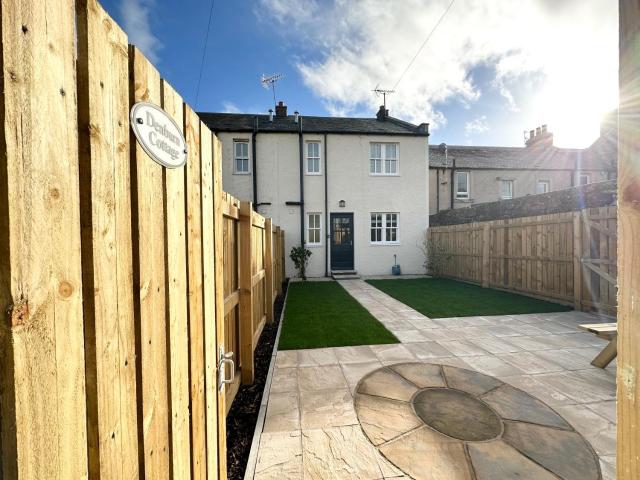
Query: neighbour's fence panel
pixel 568 257
pixel 122 280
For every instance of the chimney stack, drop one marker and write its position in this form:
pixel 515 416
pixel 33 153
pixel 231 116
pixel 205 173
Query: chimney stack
pixel 281 109
pixel 541 136
pixel 383 113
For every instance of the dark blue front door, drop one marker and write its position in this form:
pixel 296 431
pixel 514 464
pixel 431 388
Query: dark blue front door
pixel 342 241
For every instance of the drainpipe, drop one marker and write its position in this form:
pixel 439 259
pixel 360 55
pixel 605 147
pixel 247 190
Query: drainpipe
pixel 254 137
pixel 326 211
pixel 300 145
pixel 453 173
pixel 437 190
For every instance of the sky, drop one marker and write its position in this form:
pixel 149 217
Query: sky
pixel 490 71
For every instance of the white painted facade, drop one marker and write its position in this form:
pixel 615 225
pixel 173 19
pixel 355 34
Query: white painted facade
pixel 346 166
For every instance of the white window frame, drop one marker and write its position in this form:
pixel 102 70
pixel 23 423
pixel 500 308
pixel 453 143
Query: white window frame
pixel 584 175
pixel 543 182
pixel 236 158
pixel 507 181
pixel 319 157
pixel 463 195
pixel 383 160
pixel 318 228
pixel 384 218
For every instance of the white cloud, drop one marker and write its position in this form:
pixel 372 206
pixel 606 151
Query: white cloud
pixel 477 125
pixel 230 107
pixel 135 15
pixel 352 46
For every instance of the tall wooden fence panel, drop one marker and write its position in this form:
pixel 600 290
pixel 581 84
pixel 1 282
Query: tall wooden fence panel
pixel 566 257
pixel 115 272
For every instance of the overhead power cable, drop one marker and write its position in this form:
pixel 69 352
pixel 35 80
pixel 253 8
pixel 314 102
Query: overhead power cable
pixel 204 52
pixel 424 43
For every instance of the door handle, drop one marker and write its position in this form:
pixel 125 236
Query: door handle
pixel 225 358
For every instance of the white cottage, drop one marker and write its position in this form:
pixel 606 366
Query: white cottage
pixel 353 190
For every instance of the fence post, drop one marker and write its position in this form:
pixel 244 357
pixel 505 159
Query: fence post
pixel 577 260
pixel 268 267
pixel 245 284
pixel 486 244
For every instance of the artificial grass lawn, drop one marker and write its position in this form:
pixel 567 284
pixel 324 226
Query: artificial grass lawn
pixel 442 298
pixel 323 314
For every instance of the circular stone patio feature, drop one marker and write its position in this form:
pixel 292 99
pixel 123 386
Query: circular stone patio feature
pixel 437 422
pixel 457 414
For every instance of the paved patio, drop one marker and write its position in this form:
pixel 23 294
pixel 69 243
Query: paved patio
pixel 312 429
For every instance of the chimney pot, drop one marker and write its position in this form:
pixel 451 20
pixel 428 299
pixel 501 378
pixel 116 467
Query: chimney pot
pixel 296 114
pixel 281 109
pixel 271 114
pixel 538 131
pixel 531 134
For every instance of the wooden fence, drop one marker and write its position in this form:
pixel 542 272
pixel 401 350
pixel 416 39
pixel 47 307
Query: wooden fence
pixel 113 269
pixel 253 278
pixel 566 257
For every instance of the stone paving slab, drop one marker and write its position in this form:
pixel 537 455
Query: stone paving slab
pixel 550 362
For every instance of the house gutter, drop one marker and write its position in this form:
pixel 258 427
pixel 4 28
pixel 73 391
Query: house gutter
pixel 300 145
pixel 326 210
pixel 254 137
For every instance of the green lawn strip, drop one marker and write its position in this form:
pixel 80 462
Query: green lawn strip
pixel 442 298
pixel 323 314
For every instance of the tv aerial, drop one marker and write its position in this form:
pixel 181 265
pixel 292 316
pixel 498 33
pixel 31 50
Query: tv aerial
pixel 381 91
pixel 270 81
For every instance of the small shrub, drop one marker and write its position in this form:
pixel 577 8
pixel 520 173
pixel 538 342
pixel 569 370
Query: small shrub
pixel 300 257
pixel 435 255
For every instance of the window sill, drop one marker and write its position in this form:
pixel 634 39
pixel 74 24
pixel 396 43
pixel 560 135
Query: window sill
pixel 242 173
pixel 384 244
pixel 384 174
pixel 313 174
pixel 313 245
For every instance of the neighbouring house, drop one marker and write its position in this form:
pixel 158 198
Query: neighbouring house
pixel 353 190
pixel 461 176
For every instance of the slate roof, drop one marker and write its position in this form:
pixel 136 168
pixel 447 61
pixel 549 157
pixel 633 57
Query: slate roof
pixel 602 154
pixel 242 122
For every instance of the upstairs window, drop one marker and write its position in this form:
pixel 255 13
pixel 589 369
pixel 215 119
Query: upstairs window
pixel 314 229
pixel 544 186
pixel 506 189
pixel 462 185
pixel 313 158
pixel 241 157
pixel 583 179
pixel 383 159
pixel 384 228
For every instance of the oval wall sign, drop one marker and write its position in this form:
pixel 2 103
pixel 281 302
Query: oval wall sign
pixel 158 135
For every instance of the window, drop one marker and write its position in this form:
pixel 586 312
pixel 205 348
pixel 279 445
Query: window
pixel 383 159
pixel 506 189
pixel 314 229
pixel 313 158
pixel 462 184
pixel 384 228
pixel 544 186
pixel 241 156
pixel 583 179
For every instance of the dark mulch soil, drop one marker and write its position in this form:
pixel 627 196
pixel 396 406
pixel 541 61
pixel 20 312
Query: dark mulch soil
pixel 241 421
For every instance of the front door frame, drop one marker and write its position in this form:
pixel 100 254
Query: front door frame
pixel 341 266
